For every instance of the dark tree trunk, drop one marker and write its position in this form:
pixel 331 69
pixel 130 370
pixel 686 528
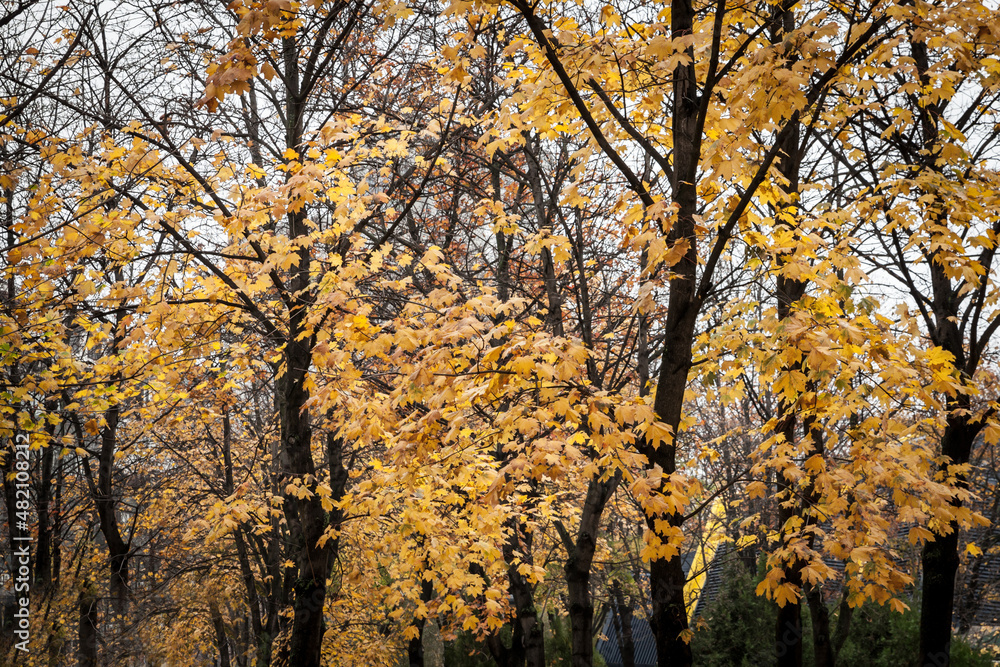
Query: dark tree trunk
pixel 57 528
pixel 820 614
pixel 623 625
pixel 669 620
pixel 87 630
pixel 306 517
pixel 415 647
pixel 528 646
pixel 788 635
pixel 788 628
pixel 669 615
pixel 940 563
pixel 270 557
pixel 104 495
pixel 13 379
pixel 667 577
pixel 7 471
pixel 577 568
pixel 118 551
pixel 221 638
pixel 940 559
pixel 844 617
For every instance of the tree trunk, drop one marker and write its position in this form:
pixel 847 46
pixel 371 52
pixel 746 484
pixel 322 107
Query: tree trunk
pixel 843 625
pixel 221 638
pixel 7 472
pixel 531 651
pixel 262 641
pixel 577 568
pixel 667 578
pixel 57 528
pixel 623 621
pixel 104 496
pixel 87 631
pixel 306 517
pixel 788 635
pixel 940 559
pixel 415 647
pixel 822 645
pixel 118 551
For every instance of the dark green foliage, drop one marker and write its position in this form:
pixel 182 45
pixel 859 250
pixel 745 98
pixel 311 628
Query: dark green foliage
pixel 558 644
pixel 882 638
pixel 465 651
pixel 740 632
pixel 740 625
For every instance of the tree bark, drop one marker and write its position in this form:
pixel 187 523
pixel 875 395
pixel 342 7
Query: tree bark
pixel 939 559
pixel 820 614
pixel 103 493
pixel 844 616
pixel 87 629
pixel 221 638
pixel 577 569
pixel 415 647
pixel 57 528
pixel 118 551
pixel 306 517
pixel 7 471
pixel 528 641
pixel 788 628
pixel 623 625
pixel 262 641
pixel 667 577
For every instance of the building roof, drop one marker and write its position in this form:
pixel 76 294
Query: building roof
pixel 609 644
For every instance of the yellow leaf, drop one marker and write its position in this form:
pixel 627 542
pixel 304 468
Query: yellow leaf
pixel 785 593
pixel 659 432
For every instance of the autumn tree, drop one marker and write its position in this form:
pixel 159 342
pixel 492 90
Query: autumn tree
pixel 621 89
pixel 920 155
